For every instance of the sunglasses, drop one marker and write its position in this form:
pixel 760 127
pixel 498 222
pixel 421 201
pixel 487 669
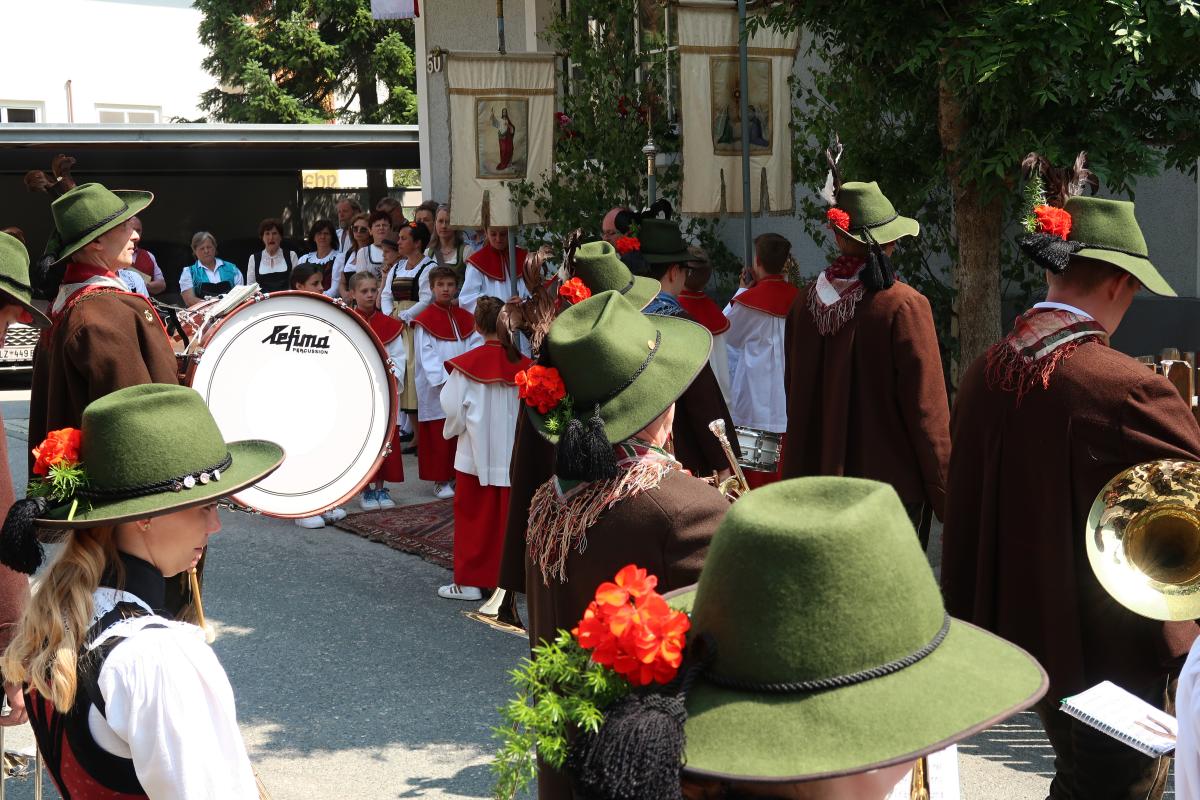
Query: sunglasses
pixel 361 229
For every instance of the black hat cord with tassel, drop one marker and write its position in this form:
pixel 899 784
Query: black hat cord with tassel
pixel 879 273
pixel 20 549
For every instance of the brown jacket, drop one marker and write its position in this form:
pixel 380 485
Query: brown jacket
pixel 106 342
pixel 695 446
pixel 532 465
pixel 869 401
pixel 1022 478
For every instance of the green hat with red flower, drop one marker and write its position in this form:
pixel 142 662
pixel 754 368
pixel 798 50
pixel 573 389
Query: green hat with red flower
pixel 864 214
pixel 140 452
pixel 598 266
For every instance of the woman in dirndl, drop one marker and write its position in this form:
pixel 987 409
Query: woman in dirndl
pixel 406 293
pixel 123 700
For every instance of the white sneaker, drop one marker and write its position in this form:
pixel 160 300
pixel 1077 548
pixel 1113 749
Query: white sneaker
pixel 384 499
pixel 335 514
pixel 311 522
pixel 452 591
pixel 443 491
pixel 367 501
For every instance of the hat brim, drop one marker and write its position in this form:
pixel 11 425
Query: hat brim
pixel 136 200
pixel 253 460
pixel 682 353
pixel 642 292
pixel 39 319
pixel 678 257
pixel 889 231
pixel 972 681
pixel 1140 268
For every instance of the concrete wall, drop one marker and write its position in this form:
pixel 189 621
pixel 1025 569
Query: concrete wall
pixel 120 52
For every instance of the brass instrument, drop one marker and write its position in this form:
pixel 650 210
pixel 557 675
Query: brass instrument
pixel 735 485
pixel 500 612
pixel 1143 539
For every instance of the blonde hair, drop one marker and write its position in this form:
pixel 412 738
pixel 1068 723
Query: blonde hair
pixel 45 650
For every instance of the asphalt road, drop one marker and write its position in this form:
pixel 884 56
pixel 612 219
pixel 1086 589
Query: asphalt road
pixel 354 680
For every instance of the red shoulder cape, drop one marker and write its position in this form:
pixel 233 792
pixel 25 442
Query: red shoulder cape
pixel 385 327
pixel 436 321
pixel 702 309
pixel 488 364
pixel 771 295
pixel 493 263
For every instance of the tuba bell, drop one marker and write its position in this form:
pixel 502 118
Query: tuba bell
pixel 1143 539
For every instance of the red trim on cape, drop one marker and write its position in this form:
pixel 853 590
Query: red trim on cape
pixel 770 295
pixel 77 295
pixel 488 364
pixel 78 273
pixel 385 327
pixel 493 263
pixel 704 310
pixel 436 321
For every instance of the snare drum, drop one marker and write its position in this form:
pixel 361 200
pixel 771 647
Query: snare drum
pixel 302 370
pixel 760 449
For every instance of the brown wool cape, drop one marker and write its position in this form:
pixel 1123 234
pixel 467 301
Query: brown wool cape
pixel 532 465
pixel 695 446
pixel 869 401
pixel 1021 481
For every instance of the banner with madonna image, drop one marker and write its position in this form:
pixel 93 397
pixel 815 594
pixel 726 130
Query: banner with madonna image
pixel 501 130
pixel 713 127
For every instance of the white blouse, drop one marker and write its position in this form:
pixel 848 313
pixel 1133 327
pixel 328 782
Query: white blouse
pixel 424 292
pixel 339 264
pixel 263 264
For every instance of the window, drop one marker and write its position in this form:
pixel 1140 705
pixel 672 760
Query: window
pixel 132 115
pixel 19 112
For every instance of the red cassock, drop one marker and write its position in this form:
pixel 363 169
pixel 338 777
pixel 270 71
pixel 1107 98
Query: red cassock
pixel 388 330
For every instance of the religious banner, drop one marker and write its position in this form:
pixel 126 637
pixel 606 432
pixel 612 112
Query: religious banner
pixel 501 130
pixel 713 127
pixel 395 9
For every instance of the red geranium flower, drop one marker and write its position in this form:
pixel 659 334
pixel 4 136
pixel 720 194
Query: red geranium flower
pixel 540 387
pixel 630 628
pixel 575 290
pixel 1053 220
pixel 627 244
pixel 59 447
pixel 838 218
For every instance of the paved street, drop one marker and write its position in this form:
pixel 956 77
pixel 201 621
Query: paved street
pixel 354 680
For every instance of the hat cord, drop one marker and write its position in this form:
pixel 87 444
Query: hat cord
pixel 172 484
pixel 835 682
pixel 637 373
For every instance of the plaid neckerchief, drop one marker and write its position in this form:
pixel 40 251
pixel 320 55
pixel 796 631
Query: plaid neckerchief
pixel 1040 339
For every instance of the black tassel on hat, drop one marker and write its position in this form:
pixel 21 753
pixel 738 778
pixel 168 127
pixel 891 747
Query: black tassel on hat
pixel 19 546
pixel 1048 251
pixel 879 274
pixel 584 452
pixel 636 754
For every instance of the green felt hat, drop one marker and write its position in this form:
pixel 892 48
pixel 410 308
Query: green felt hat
pixel 90 210
pixel 1110 232
pixel 630 366
pixel 601 269
pixel 14 277
pixel 662 243
pixel 871 212
pixel 817 581
pixel 152 449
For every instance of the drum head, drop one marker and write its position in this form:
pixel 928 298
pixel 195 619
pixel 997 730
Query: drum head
pixel 297 369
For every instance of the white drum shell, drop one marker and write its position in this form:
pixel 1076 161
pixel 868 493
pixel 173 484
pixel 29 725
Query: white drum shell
pixel 760 449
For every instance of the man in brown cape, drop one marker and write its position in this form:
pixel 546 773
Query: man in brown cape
pixel 1042 422
pixel 618 496
pixel 866 396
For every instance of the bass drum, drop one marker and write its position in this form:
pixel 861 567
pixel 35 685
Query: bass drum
pixel 302 370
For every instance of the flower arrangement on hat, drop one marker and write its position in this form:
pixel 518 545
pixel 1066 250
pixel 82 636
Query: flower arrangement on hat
pixel 628 244
pixel 628 639
pixel 574 291
pixel 543 388
pixel 838 218
pixel 56 460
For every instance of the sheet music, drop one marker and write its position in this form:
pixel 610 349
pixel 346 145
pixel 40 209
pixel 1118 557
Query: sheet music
pixel 943 778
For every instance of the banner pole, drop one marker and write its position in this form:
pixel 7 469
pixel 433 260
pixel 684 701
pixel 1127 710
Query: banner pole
pixel 744 110
pixel 500 24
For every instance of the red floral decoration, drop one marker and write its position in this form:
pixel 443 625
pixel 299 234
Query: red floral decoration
pixel 1053 220
pixel 838 218
pixel 59 448
pixel 627 244
pixel 575 291
pixel 541 387
pixel 630 628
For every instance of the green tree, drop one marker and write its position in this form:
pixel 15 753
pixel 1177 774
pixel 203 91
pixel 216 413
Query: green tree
pixel 307 61
pixel 940 101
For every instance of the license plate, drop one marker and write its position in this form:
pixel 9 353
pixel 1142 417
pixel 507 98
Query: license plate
pixel 16 354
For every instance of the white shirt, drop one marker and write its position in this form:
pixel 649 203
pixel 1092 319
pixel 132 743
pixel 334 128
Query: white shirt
pixel 718 359
pixel 1187 712
pixel 424 291
pixel 345 240
pixel 264 264
pixel 756 346
pixel 369 257
pixel 169 707
pixel 133 279
pixel 432 354
pixel 477 285
pixel 484 418
pixel 211 275
pixel 1064 307
pixel 339 264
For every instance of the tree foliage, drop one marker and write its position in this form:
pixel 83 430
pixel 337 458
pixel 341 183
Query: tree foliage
pixel 940 101
pixel 306 61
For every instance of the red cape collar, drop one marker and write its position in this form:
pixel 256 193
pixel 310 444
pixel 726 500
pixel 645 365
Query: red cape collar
pixel 488 364
pixel 702 309
pixel 771 295
pixel 437 322
pixel 493 263
pixel 385 327
pixel 78 273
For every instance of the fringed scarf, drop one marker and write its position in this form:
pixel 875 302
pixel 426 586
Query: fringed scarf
pixel 562 511
pixel 832 299
pixel 1040 339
